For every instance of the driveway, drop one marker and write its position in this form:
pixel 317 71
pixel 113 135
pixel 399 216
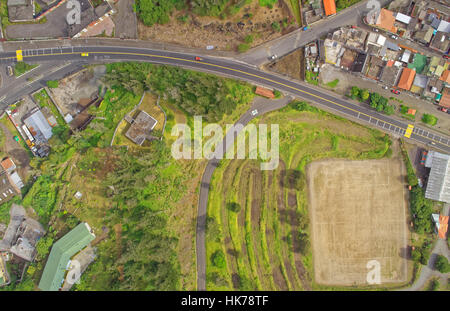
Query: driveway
pixel 125 20
pixel 263 106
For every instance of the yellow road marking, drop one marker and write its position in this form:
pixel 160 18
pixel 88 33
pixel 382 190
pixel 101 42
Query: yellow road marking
pixel 409 130
pixel 240 71
pixel 19 55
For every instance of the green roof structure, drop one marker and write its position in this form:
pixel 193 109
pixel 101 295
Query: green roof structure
pixel 64 249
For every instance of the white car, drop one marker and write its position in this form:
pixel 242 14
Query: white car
pixel 273 57
pixel 255 112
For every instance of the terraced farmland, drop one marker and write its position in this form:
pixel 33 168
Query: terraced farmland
pixel 258 221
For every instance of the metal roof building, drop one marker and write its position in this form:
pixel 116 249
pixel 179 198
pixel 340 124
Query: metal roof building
pixel 438 187
pixel 38 124
pixel 59 259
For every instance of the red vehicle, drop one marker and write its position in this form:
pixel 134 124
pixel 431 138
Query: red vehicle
pixel 395 91
pixel 443 109
pixel 354 26
pixel 197 58
pixel 424 157
pixel 446 56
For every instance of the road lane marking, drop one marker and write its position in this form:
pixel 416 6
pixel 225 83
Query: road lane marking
pixel 19 55
pixel 230 69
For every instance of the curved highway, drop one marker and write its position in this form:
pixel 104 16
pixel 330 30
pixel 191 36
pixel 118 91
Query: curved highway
pixel 228 67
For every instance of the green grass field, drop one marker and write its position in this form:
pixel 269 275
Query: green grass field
pixel 266 239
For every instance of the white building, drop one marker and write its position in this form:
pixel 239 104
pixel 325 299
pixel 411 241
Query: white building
pixel 438 187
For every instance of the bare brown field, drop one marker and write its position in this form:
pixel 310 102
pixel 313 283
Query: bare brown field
pixel 358 214
pixel 224 34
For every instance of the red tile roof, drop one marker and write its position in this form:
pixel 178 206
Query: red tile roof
pixel 264 92
pixel 443 226
pixel 445 76
pixel 330 7
pixel 406 79
pixel 386 20
pixel 7 164
pixel 445 99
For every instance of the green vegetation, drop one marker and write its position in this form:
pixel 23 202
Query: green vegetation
pixel 442 264
pixel 194 92
pixel 4 13
pixel 404 112
pixel 248 39
pixel 21 67
pixel 276 26
pixel 277 94
pixel 296 10
pixel 259 219
pixel 243 47
pixel 140 194
pixel 267 3
pixel 37 8
pixel 156 11
pixel 52 84
pixel 342 4
pixel 421 207
pixel 375 100
pixel 44 100
pixel 429 119
pixel 433 285
pixel 311 77
pixel 333 83
pixel 151 12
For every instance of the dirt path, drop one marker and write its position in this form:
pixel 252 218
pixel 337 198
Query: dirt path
pixel 15 151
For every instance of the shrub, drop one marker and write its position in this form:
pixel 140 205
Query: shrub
pixel 277 93
pixel 355 92
pixel 248 39
pixel 276 26
pixel 234 207
pixel 243 47
pixel 429 119
pixel 218 259
pixel 442 264
pixel 434 285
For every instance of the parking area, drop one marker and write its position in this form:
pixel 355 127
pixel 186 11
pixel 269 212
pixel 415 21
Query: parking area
pixel 56 26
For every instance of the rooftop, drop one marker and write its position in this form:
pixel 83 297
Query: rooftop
pixel 386 20
pixel 8 164
pixel 406 79
pixel 141 127
pixel 441 42
pixel 445 99
pixel 445 76
pixel 64 249
pixel 329 7
pixel 38 125
pixel 438 187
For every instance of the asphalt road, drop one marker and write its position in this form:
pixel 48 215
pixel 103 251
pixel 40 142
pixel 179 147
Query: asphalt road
pixel 230 68
pixel 298 38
